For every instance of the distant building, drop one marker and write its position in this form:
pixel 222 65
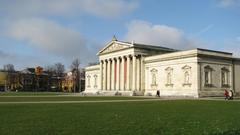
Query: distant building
pixel 137 69
pixel 68 82
pixel 9 80
pixel 29 81
pixel 3 80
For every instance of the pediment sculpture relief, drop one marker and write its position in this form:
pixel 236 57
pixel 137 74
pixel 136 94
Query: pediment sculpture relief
pixel 114 47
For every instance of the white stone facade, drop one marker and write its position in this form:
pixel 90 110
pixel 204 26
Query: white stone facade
pixel 92 80
pixel 137 69
pixel 173 77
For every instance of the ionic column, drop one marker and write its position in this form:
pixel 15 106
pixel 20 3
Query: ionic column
pixel 104 75
pixel 108 75
pixel 122 74
pixel 101 75
pixel 142 82
pixel 117 74
pixel 134 73
pixel 128 73
pixel 138 74
pixel 113 73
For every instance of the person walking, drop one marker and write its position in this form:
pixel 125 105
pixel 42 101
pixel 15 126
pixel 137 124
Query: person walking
pixel 226 94
pixel 231 95
pixel 158 93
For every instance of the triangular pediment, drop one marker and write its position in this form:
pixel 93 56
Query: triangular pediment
pixel 114 46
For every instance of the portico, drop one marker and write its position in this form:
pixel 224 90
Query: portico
pixel 121 67
pixel 120 73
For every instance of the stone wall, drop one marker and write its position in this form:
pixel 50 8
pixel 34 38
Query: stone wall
pixel 92 79
pixel 176 77
pixel 215 87
pixel 237 76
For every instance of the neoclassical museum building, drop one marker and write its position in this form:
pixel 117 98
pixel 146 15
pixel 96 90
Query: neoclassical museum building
pixel 137 69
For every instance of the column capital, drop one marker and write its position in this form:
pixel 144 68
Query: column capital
pixel 137 55
pixel 128 56
pixel 134 55
pixel 113 58
pixel 124 57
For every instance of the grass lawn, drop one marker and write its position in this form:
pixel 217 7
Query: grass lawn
pixel 32 93
pixel 175 117
pixel 64 98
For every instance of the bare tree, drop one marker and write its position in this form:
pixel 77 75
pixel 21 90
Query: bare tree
pixel 75 64
pixel 59 69
pixel 56 70
pixel 49 68
pixel 82 79
pixel 8 68
pixel 11 76
pixel 76 73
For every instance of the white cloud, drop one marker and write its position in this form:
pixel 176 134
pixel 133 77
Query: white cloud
pixel 51 37
pixel 44 34
pixel 30 21
pixel 103 8
pixel 163 35
pixel 167 36
pixel 108 8
pixel 228 3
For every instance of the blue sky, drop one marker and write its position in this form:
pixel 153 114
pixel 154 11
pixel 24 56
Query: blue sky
pixel 43 32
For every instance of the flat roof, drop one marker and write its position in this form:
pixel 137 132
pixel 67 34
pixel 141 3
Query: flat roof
pixel 228 53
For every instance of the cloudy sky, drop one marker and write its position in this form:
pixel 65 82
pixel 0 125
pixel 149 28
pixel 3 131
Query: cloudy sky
pixel 43 32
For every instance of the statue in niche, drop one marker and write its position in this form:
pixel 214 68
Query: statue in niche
pixel 187 76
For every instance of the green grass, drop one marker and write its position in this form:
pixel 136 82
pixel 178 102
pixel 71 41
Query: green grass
pixel 32 93
pixel 63 98
pixel 234 98
pixel 177 117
